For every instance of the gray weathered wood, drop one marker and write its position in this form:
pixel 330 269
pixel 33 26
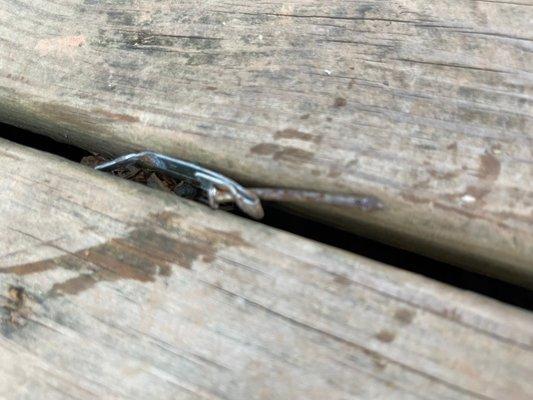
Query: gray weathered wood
pixel 424 104
pixel 112 290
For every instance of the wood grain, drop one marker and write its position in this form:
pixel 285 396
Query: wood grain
pixel 112 290
pixel 426 105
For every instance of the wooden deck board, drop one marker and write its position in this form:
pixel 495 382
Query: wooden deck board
pixel 111 289
pixel 426 105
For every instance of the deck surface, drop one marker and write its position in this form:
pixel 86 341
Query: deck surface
pixel 111 289
pixel 426 105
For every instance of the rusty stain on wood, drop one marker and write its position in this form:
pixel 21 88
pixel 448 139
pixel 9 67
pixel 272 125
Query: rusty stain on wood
pixel 117 117
pixel 404 315
pixel 340 102
pixel 143 255
pixel 285 153
pixel 298 135
pixel 18 308
pixel 489 167
pixel 385 336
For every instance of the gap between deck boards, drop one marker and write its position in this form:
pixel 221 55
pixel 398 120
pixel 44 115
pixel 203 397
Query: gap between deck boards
pixel 280 218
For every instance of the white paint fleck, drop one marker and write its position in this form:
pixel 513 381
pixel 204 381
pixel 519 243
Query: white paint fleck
pixel 468 199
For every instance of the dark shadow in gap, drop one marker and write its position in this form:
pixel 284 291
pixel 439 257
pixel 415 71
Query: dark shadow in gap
pixel 403 259
pixel 41 142
pixel 286 221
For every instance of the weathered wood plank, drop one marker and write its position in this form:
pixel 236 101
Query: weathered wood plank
pixel 110 289
pixel 426 105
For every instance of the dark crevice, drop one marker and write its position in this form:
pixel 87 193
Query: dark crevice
pixel 443 272
pixel 41 142
pixel 281 219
